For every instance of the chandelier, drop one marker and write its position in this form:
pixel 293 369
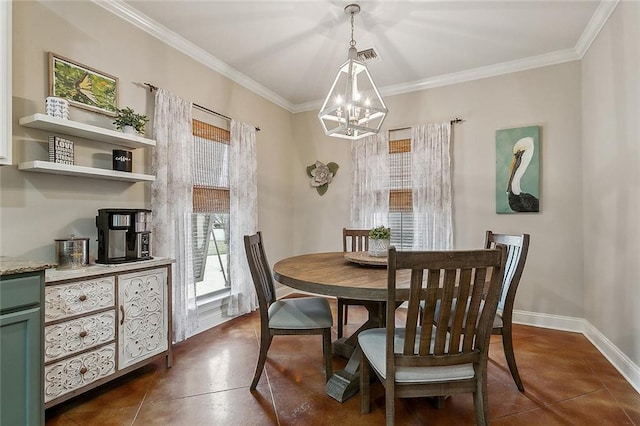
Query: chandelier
pixel 353 108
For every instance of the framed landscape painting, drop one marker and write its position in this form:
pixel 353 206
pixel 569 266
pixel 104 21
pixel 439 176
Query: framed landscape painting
pixel 518 170
pixel 83 86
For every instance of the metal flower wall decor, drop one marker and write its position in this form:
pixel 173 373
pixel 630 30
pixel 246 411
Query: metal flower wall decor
pixel 321 175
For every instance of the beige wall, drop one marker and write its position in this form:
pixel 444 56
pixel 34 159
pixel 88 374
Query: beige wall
pixel 37 208
pixel 589 109
pixel 611 125
pixel 548 97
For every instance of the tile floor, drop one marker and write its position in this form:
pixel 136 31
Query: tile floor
pixel 567 382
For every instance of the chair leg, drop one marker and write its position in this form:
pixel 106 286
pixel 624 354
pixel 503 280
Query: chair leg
pixel 507 344
pixel 265 342
pixel 346 314
pixel 340 316
pixel 481 401
pixel 438 401
pixel 328 355
pixel 365 402
pixel 390 399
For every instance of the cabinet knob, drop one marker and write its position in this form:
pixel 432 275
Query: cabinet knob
pixel 83 370
pixel 83 298
pixel 83 333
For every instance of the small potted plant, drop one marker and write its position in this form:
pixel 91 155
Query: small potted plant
pixel 128 121
pixel 379 241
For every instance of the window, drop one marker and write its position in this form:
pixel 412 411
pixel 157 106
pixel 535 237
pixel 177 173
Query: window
pixel 400 191
pixel 210 220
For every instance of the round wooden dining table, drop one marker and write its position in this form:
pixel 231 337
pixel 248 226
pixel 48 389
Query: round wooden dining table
pixel 331 274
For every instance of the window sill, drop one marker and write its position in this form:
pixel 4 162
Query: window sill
pixel 210 310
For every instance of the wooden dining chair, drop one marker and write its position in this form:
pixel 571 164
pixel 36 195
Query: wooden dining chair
pixel 429 357
pixel 517 249
pixel 352 240
pixel 297 316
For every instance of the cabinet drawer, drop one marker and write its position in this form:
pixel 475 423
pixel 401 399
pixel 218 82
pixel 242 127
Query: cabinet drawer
pixel 73 336
pixel 66 300
pixel 66 376
pixel 20 291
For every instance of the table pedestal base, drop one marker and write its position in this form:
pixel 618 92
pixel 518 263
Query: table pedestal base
pixel 343 385
pixel 346 383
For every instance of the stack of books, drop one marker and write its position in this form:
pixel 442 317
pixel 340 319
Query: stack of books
pixel 60 150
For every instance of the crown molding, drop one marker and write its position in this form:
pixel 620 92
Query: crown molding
pixel 544 60
pixel 509 67
pixel 133 16
pixel 157 30
pixel 596 23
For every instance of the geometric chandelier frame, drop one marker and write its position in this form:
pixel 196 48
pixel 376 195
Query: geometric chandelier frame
pixel 353 108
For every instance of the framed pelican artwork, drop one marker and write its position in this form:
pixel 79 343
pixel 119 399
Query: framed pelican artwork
pixel 518 170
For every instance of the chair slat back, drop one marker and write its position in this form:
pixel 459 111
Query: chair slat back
pixel 260 270
pixel 517 249
pixel 355 239
pixel 454 287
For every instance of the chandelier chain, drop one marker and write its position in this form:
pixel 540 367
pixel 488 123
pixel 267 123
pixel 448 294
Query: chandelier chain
pixel 352 43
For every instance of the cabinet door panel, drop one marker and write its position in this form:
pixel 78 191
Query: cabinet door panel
pixel 21 368
pixel 142 299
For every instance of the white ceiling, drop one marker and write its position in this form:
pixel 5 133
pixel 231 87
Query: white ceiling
pixel 289 51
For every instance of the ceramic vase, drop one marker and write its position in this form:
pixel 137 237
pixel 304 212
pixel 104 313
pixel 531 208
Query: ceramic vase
pixel 378 248
pixel 130 130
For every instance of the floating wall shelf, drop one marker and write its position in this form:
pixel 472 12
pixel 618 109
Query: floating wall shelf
pixel 87 131
pixel 69 170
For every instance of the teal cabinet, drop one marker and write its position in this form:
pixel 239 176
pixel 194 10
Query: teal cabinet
pixel 21 353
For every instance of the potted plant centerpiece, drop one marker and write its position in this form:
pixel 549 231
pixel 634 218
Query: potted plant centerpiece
pixel 379 241
pixel 128 121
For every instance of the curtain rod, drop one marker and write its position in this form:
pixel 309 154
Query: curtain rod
pixel 453 121
pixel 200 107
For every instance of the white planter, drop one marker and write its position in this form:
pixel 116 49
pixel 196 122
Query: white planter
pixel 378 248
pixel 130 130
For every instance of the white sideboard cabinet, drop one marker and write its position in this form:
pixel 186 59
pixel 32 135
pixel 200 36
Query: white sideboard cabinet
pixel 102 322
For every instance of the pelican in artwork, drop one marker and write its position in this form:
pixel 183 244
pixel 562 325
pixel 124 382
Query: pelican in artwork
pixel 521 201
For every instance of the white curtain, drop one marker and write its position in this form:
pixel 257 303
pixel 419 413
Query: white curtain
pixel 431 180
pixel 370 182
pixel 243 210
pixel 171 202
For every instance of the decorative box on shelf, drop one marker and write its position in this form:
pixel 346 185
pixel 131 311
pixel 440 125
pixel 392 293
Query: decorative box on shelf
pixel 61 150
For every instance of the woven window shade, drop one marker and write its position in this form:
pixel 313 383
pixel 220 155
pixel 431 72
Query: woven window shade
pixel 210 200
pixel 400 194
pixel 210 132
pixel 399 146
pixel 400 201
pixel 210 168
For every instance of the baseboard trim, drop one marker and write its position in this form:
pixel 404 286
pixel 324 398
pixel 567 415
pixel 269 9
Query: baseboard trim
pixel 555 322
pixel 616 357
pixel 629 370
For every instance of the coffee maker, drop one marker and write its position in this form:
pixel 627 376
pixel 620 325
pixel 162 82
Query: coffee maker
pixel 124 235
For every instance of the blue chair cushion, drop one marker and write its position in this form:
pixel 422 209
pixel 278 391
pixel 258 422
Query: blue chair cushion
pixel 373 345
pixel 300 313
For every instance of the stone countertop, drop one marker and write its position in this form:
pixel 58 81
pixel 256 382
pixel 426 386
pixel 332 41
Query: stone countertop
pixel 14 265
pixel 57 275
